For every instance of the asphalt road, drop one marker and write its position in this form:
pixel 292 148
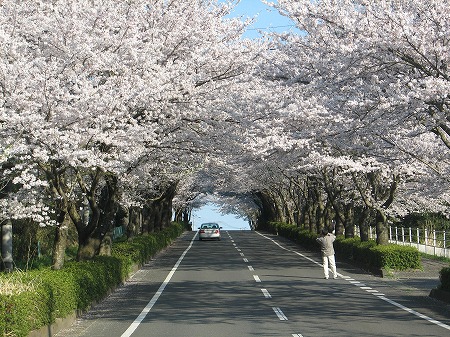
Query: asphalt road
pixel 252 284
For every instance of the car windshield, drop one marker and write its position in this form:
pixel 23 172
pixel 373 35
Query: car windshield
pixel 209 226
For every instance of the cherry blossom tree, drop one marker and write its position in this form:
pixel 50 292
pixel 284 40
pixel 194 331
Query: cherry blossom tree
pixel 366 80
pixel 100 97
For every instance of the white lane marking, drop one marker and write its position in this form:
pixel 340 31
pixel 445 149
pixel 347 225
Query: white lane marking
pixel 380 296
pixel 292 251
pixel 239 250
pixel 366 288
pixel 245 259
pixel 297 335
pixel 257 279
pixel 155 297
pixel 234 244
pixel 280 314
pixel 242 254
pixel 418 314
pixel 266 293
pixel 250 268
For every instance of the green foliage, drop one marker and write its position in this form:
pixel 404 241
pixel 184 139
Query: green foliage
pixel 33 299
pixel 444 276
pixel 345 248
pixel 13 309
pixel 363 255
pixel 366 254
pixel 302 236
pixel 434 221
pixel 396 257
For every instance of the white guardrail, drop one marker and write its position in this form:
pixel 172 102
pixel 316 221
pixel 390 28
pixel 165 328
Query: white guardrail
pixel 429 242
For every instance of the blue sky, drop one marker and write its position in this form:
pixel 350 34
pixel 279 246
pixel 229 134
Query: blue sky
pixel 211 213
pixel 268 19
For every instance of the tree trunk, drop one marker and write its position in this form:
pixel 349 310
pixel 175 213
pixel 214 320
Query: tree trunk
pixel 339 227
pixel 382 228
pixel 364 224
pixel 267 209
pixel 320 214
pixel 312 211
pixel 102 215
pixel 88 248
pixel 106 245
pixel 60 242
pixel 133 227
pixel 7 246
pixel 349 222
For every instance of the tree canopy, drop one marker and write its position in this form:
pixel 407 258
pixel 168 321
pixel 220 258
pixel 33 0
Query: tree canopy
pixel 107 102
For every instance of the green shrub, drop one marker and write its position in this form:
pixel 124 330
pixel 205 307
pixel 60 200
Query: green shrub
pixel 444 276
pixel 14 309
pixel 30 300
pixel 307 239
pixel 345 247
pixel 301 236
pixel 367 254
pixel 396 257
pixel 363 256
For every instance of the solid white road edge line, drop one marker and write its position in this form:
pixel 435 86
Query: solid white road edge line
pixel 429 319
pixel 155 297
pixel 398 305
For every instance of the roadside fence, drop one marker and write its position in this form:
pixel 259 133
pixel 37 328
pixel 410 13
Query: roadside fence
pixel 426 241
pixel 430 242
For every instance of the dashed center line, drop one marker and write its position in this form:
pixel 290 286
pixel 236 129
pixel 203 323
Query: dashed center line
pixel 359 284
pixel 257 279
pixel 266 293
pixel 245 259
pixel 280 314
pixel 250 268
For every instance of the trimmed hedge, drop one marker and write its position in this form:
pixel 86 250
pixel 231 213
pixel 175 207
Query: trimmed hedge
pixel 367 254
pixel 444 276
pixel 301 236
pixel 31 300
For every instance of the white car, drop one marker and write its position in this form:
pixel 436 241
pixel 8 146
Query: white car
pixel 209 230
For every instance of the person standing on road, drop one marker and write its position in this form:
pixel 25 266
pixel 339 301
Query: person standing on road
pixel 326 246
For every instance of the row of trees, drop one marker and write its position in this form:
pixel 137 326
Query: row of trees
pixel 116 113
pixel 105 105
pixel 356 126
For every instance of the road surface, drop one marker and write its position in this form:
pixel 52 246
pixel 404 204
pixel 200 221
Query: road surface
pixel 252 284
